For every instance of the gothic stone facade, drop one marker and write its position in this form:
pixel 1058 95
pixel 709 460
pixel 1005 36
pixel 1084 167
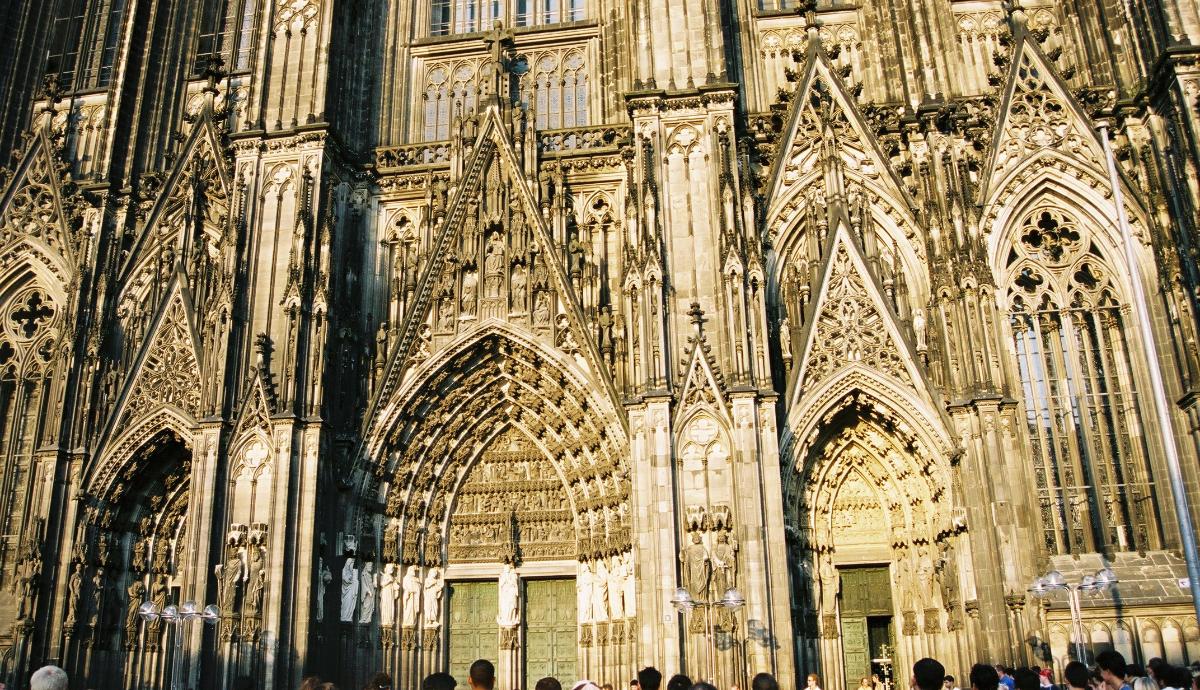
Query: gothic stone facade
pixel 375 321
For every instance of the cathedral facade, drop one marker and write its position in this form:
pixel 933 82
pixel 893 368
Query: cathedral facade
pixel 408 332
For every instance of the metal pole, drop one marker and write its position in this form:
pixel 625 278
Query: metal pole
pixel 1077 621
pixel 177 659
pixel 1141 312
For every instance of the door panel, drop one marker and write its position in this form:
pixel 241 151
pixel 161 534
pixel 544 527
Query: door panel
pixel 855 650
pixel 472 631
pixel 550 630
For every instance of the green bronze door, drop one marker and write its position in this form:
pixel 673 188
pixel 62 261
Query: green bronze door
pixel 472 630
pixel 550 631
pixel 866 607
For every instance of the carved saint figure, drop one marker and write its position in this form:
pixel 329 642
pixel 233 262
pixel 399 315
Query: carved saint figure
pixel 696 567
pixel 600 592
pixel 230 575
pixel 97 597
pixel 541 308
pixel 367 586
pixel 433 597
pixel 138 561
pixel 74 591
pixel 470 290
pixel 831 583
pixel 918 324
pixel 254 593
pixel 583 592
pixel 616 588
pixel 324 577
pixel 389 593
pixel 349 591
pixel 630 586
pixel 135 591
pixel 493 266
pixel 509 589
pixel 724 564
pixel 519 283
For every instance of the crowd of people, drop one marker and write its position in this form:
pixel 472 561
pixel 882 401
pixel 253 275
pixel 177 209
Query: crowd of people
pixel 1110 672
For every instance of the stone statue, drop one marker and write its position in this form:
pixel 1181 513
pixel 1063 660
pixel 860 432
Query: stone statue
pixel 410 605
pixel 583 592
pixel 926 580
pixel 324 577
pixel 389 593
pixel 493 266
pixel 367 587
pixel 433 597
pixel 136 591
pixel 230 575
pixel 541 308
pixel 785 338
pixel 600 592
pixel 918 324
pixel 724 564
pixel 616 588
pixel 509 615
pixel 74 591
pixel 696 567
pixel 518 284
pixel 831 583
pixel 255 588
pixel 349 591
pixel 470 289
pixel 138 561
pixel 97 597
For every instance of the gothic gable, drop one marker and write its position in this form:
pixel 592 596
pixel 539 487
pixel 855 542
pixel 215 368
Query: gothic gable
pixel 851 325
pixel 34 208
pixel 167 371
pixel 1038 117
pixel 494 261
pixel 824 133
pixel 703 383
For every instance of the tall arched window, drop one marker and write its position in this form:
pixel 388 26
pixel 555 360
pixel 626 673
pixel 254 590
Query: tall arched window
pixel 466 16
pixel 83 41
pixel 1095 488
pixel 226 31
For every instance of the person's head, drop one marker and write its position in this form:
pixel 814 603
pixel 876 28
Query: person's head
pixel 764 681
pixel 984 677
pixel 1180 677
pixel 1077 675
pixel 327 686
pixel 443 681
pixel 1153 666
pixel 48 678
pixel 585 685
pixel 948 682
pixel 1144 683
pixel 634 683
pixel 606 686
pixel 928 674
pixel 865 682
pixel 701 685
pixel 548 683
pixel 1112 668
pixel 314 682
pixel 813 680
pixel 482 675
pixel 1026 679
pixel 679 682
pixel 649 678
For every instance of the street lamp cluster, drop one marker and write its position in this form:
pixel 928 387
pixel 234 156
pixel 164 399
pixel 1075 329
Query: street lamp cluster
pixel 1053 581
pixel 178 616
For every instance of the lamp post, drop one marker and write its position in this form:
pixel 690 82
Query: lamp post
pixel 178 616
pixel 1102 581
pixel 732 600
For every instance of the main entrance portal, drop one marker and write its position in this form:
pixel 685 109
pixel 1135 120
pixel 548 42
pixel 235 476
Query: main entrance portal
pixel 550 630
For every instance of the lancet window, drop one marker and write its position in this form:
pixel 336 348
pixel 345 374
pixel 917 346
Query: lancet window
pixel 226 31
pixel 1095 488
pixel 448 17
pixel 83 41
